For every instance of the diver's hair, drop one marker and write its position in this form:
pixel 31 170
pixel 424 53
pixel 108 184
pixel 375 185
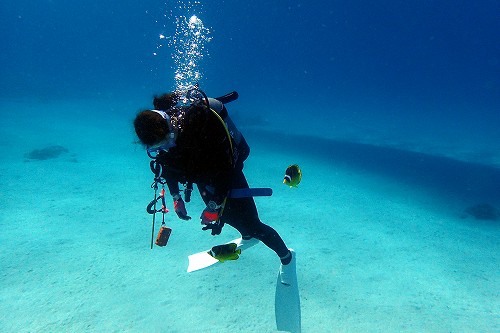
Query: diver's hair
pixel 150 127
pixel 165 101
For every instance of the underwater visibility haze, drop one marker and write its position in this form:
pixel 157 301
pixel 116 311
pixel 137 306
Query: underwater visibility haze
pixel 391 109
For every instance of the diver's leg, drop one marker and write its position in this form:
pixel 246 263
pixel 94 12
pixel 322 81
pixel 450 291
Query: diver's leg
pixel 242 215
pixel 272 240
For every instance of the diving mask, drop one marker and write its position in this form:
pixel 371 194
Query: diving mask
pixel 166 143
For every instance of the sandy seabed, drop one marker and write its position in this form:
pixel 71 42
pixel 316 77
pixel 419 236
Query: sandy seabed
pixel 381 247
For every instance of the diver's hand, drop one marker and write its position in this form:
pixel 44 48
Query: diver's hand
pixel 180 208
pixel 215 227
pixel 210 218
pixel 211 213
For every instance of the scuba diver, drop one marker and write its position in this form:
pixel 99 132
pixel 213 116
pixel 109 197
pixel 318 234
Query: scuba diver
pixel 193 140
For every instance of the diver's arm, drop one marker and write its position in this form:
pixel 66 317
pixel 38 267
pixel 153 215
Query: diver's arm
pixel 179 205
pixel 173 186
pixel 219 170
pixel 210 217
pixel 218 182
pixel 172 182
pixel 221 186
pixel 168 173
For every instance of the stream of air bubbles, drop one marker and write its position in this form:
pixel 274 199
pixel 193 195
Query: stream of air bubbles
pixel 188 43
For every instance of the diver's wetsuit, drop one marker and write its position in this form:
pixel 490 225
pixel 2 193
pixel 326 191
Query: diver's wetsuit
pixel 203 156
pixel 242 215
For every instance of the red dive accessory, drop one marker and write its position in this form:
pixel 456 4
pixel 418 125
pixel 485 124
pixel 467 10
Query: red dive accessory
pixel 210 217
pixel 211 213
pixel 163 235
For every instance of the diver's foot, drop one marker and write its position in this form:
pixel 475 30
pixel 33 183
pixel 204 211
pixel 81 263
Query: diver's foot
pixel 246 243
pixel 287 271
pixel 285 260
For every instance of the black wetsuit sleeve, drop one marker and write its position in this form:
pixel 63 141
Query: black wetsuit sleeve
pixel 173 185
pixel 221 187
pixel 168 174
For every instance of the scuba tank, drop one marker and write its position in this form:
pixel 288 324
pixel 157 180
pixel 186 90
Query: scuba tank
pixel 217 104
pixel 219 107
pixel 241 150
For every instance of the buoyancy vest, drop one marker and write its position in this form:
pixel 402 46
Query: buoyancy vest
pixel 241 150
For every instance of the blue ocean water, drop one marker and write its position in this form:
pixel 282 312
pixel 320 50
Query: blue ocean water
pixel 388 55
pixel 408 90
pixel 396 66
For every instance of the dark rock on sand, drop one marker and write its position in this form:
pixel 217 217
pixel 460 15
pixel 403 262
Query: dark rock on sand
pixel 483 212
pixel 46 153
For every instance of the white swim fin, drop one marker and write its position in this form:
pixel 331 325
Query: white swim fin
pixel 203 259
pixel 287 299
